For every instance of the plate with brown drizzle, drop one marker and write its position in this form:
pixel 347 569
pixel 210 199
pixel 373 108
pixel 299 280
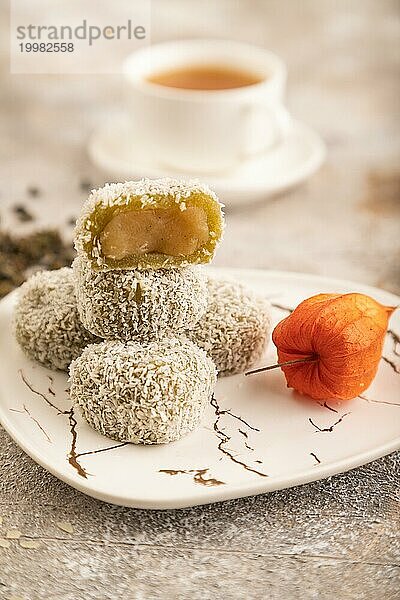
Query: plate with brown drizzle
pixel 256 435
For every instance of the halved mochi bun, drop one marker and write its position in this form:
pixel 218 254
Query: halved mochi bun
pixel 149 224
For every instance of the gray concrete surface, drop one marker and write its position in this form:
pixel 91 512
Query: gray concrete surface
pixel 337 538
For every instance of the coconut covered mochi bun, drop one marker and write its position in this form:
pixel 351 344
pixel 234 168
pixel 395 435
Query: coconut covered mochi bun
pixel 46 319
pixel 150 393
pixel 135 304
pixel 235 328
pixel 149 224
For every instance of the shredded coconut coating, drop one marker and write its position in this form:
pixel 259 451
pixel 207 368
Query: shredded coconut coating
pixel 136 305
pixel 150 393
pixel 236 327
pixel 114 198
pixel 46 319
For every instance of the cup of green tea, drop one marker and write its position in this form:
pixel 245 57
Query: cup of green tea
pixel 206 105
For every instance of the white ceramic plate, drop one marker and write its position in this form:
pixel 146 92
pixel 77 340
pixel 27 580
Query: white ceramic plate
pixel 256 437
pixel 115 149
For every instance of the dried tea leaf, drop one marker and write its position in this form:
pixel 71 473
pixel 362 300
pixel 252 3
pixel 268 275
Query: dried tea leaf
pixel 337 342
pixel 65 526
pixel 21 255
pixel 13 534
pixel 22 213
pixel 29 544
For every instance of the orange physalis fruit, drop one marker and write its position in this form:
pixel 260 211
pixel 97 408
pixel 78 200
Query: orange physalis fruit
pixel 340 339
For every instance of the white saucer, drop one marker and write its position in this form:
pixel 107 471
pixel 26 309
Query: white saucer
pixel 256 435
pixel 115 149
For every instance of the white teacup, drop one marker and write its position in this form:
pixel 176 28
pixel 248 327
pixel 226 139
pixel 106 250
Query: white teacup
pixel 206 130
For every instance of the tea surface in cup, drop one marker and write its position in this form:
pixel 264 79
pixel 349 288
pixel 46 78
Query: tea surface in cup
pixel 205 77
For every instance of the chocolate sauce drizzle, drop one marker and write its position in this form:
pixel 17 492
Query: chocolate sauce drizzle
pixel 231 414
pixel 198 476
pixel 73 455
pixel 396 341
pixel 378 401
pixel 102 449
pixel 316 457
pixel 225 438
pixel 246 435
pixel 325 405
pixel 392 364
pixel 26 411
pixel 43 396
pixel 331 428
